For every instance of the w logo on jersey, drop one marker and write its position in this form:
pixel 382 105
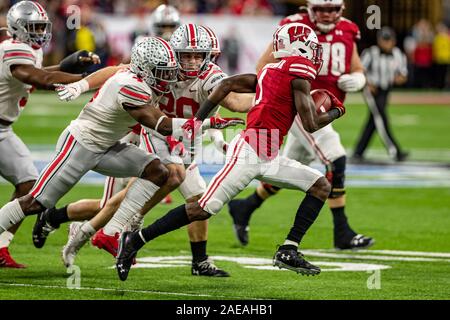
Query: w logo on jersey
pixel 298 34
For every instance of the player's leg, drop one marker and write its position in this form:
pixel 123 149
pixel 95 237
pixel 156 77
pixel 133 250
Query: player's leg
pixel 387 136
pixel 287 173
pixel 110 225
pixel 192 189
pixel 70 164
pixel 17 167
pixel 241 210
pixel 364 139
pixel 328 144
pixel 80 233
pixel 229 181
pixel 16 210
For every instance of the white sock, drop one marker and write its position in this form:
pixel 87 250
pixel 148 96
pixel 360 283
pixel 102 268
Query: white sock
pixel 139 193
pixel 10 214
pixel 5 239
pixel 290 243
pixel 88 229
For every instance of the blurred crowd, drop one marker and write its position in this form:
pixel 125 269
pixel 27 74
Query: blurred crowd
pixel 427 47
pixel 428 52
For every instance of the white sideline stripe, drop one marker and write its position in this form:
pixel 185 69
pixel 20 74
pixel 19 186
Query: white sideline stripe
pixel 122 290
pixel 399 253
pixel 370 257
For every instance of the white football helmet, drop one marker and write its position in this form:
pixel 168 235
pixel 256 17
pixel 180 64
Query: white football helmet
pixel 28 22
pixel 191 38
pixel 153 60
pixel 215 44
pixel 165 19
pixel 297 39
pixel 333 9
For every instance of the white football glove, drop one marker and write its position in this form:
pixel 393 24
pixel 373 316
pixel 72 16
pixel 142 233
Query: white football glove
pixel 351 82
pixel 71 91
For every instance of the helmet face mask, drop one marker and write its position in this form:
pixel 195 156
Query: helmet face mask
pixel 190 38
pixel 153 61
pixel 325 13
pixel 28 22
pixel 297 39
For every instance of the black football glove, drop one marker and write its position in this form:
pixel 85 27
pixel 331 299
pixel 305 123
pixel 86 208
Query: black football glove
pixel 79 61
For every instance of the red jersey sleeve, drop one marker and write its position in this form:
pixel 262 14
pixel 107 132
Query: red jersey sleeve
pixel 300 67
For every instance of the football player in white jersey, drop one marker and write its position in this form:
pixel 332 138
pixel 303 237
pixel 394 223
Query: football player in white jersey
pixel 198 77
pixel 91 141
pixel 21 55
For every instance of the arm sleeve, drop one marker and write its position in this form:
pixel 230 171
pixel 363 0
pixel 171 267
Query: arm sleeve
pixel 211 81
pixel 133 96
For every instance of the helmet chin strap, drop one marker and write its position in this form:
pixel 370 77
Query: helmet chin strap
pixel 325 28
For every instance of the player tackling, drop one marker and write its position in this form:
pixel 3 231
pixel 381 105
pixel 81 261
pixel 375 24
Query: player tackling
pixel 282 92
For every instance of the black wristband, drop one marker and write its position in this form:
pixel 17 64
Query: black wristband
pixel 334 113
pixel 205 109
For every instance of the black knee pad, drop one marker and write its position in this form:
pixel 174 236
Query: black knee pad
pixel 338 179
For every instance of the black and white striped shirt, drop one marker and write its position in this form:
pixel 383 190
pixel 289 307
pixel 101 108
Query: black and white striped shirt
pixel 381 68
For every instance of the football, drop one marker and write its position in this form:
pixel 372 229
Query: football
pixel 321 100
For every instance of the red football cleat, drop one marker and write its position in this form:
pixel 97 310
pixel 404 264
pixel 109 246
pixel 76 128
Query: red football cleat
pixel 6 261
pixel 167 200
pixel 106 242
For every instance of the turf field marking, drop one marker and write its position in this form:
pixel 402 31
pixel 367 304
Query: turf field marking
pixel 359 255
pixel 124 290
pixel 251 263
pixel 407 253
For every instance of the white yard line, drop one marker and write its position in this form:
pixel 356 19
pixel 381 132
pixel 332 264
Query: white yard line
pixel 182 294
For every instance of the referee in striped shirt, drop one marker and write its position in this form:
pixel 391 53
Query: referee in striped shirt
pixel 385 66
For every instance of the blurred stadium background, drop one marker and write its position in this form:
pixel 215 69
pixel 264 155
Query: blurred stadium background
pixel 404 206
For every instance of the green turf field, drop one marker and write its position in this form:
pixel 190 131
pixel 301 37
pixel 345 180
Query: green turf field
pixel 411 227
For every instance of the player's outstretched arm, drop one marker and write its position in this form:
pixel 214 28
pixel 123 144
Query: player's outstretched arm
pixel 241 83
pixel 355 80
pixel 151 117
pixel 40 78
pixel 76 63
pixel 238 102
pixel 95 80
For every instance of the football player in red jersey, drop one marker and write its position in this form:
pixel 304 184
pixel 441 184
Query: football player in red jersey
pixel 341 72
pixel 282 92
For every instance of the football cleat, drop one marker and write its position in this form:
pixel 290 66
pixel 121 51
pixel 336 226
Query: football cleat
pixel 106 242
pixel 6 261
pixel 240 230
pixel 42 228
pixel 125 256
pixel 207 268
pixel 294 261
pixel 167 200
pixel 77 239
pixel 359 241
